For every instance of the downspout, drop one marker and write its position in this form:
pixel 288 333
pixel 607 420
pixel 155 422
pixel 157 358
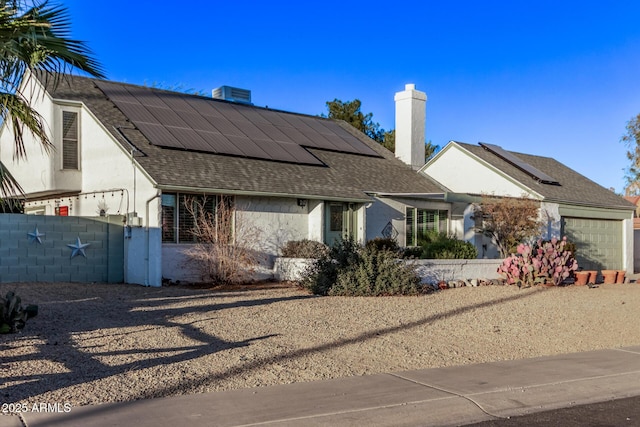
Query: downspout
pixel 147 241
pixel 132 149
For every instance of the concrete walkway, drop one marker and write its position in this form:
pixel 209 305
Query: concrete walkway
pixel 431 397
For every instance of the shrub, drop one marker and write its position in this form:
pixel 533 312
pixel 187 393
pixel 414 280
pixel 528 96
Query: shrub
pixel 443 246
pixel 545 261
pixel 353 270
pixel 381 243
pixel 12 315
pixel 412 252
pixel 508 221
pixel 226 249
pixel 304 249
pixel 436 245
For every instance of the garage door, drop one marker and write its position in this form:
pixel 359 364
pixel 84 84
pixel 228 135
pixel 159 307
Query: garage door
pixel 598 242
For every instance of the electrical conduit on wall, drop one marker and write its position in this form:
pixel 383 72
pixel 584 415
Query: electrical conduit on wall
pixel 147 241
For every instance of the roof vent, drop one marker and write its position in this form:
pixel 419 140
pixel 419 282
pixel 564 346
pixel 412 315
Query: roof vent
pixel 233 94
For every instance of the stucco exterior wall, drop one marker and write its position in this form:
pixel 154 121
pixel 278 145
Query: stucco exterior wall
pixel 38 173
pixel 550 215
pixel 478 177
pixel 636 251
pixel 119 188
pixel 382 211
pixel 266 223
pixel 629 245
pixel 315 219
pixel 272 221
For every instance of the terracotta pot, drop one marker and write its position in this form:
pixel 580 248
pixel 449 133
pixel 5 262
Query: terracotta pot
pixel 609 276
pixel 581 278
pixel 593 276
pixel 620 276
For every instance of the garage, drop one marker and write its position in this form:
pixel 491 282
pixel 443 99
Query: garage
pixel 599 243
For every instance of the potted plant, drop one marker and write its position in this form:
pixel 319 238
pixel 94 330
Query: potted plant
pixel 593 276
pixel 582 278
pixel 609 276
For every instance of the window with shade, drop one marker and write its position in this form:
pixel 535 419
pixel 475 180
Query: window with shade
pixel 421 222
pixel 179 213
pixel 70 140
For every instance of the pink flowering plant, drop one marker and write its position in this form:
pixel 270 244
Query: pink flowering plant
pixel 545 261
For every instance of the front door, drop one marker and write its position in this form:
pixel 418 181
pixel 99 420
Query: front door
pixel 340 222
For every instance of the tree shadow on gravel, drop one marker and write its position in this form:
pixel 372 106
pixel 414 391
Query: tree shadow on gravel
pixel 59 321
pixel 184 386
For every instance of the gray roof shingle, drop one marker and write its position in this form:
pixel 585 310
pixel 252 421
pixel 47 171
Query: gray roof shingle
pixel 344 176
pixel 574 188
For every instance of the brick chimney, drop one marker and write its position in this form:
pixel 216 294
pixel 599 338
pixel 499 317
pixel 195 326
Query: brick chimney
pixel 411 115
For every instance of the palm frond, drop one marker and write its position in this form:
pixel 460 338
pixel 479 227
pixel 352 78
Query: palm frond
pixel 16 108
pixel 9 186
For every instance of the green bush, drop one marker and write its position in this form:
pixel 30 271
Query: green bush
pixel 448 247
pixel 353 270
pixel 412 252
pixel 381 243
pixel 441 246
pixel 304 249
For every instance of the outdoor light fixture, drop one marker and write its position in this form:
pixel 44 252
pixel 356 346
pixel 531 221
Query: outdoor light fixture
pixel 302 202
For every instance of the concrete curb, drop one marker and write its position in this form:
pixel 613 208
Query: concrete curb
pixel 436 397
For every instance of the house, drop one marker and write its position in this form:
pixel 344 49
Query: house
pixel 141 152
pixel 596 219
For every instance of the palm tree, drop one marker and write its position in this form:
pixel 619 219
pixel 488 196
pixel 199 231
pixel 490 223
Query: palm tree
pixel 34 38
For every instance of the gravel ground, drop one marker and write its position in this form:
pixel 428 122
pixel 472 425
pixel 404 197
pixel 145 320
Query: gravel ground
pixel 97 343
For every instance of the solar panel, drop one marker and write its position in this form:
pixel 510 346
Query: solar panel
pixel 276 151
pixel 249 148
pixel 116 92
pixel 273 132
pixel 196 142
pixel 273 117
pixel 249 129
pixel 181 121
pixel 511 158
pixel 159 134
pixel 198 121
pixel 136 112
pixel 204 107
pixel 219 143
pixel 145 96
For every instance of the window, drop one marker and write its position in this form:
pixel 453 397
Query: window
pixel 336 217
pixel 169 222
pixel 419 222
pixel 69 140
pixel 178 218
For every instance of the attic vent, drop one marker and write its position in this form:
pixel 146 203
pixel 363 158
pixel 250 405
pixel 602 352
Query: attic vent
pixel 233 94
pixel 525 167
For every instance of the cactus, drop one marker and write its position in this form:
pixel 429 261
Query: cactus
pixel 553 261
pixel 545 261
pixel 12 315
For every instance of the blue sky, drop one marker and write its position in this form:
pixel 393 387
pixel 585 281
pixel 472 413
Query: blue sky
pixel 558 79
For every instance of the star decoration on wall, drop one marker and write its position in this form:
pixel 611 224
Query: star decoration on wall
pixel 35 236
pixel 78 248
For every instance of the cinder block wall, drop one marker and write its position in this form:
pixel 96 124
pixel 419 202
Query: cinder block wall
pixel 24 259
